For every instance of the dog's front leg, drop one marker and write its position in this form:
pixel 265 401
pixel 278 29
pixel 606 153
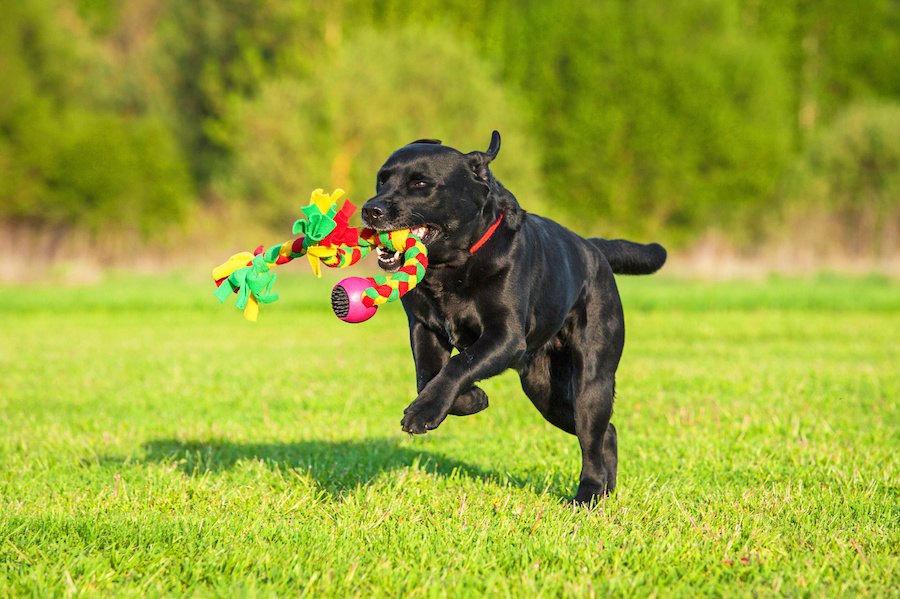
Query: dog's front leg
pixel 431 352
pixel 491 354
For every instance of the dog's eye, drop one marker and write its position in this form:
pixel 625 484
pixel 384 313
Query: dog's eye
pixel 418 184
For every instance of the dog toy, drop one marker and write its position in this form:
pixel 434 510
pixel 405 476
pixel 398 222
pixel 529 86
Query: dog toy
pixel 328 239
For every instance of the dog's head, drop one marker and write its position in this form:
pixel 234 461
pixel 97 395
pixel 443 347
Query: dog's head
pixel 449 199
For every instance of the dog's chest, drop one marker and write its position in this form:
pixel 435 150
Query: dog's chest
pixel 450 308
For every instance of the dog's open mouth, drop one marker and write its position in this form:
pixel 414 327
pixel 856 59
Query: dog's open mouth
pixel 392 261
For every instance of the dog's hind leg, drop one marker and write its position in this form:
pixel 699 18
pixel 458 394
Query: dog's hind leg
pixel 596 347
pixel 547 381
pixel 597 437
pixel 550 381
pixel 611 456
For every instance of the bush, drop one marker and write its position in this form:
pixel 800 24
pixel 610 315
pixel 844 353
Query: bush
pixel 214 53
pixel 64 158
pixel 850 176
pixel 378 92
pixel 127 173
pixel 93 171
pixel 659 117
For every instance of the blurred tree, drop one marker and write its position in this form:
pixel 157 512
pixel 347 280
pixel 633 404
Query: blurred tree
pixel 64 159
pixel 378 92
pixel 850 174
pixel 110 171
pixel 650 115
pixel 219 52
pixel 102 17
pixel 656 115
pixel 835 53
pixel 636 116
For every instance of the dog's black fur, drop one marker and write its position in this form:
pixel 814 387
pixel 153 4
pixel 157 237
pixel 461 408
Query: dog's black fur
pixel 535 297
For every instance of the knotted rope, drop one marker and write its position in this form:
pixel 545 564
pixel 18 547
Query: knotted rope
pixel 326 239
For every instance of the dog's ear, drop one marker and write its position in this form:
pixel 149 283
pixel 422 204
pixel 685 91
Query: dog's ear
pixel 494 147
pixel 436 142
pixel 481 160
pixel 513 214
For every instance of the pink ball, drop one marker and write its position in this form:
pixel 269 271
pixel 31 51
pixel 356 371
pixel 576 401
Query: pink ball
pixel 346 300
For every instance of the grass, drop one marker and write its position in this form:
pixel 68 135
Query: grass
pixel 154 443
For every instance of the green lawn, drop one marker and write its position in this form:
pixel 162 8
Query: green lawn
pixel 153 442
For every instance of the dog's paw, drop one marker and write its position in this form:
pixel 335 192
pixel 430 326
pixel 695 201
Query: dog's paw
pixel 471 402
pixel 590 494
pixel 421 417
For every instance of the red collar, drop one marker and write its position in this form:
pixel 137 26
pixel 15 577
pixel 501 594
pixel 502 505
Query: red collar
pixel 487 235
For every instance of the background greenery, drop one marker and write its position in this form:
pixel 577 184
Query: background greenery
pixel 154 443
pixel 750 117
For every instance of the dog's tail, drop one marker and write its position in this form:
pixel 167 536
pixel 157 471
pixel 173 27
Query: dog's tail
pixel 630 258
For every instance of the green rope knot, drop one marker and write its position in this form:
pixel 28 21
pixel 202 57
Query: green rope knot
pixel 256 279
pixel 316 226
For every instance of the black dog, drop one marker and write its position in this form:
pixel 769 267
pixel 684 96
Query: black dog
pixel 508 290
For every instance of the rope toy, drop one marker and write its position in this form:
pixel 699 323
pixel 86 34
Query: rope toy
pixel 328 239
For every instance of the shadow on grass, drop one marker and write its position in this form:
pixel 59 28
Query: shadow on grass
pixel 336 466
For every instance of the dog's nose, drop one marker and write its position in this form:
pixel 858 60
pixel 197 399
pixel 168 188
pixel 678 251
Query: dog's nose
pixel 372 213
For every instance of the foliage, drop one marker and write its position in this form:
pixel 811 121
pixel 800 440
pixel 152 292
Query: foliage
pixel 855 47
pixel 110 171
pixel 103 171
pixel 217 52
pixel 180 451
pixel 834 53
pixel 851 170
pixel 646 118
pixel 64 159
pixel 359 104
pixel 660 116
